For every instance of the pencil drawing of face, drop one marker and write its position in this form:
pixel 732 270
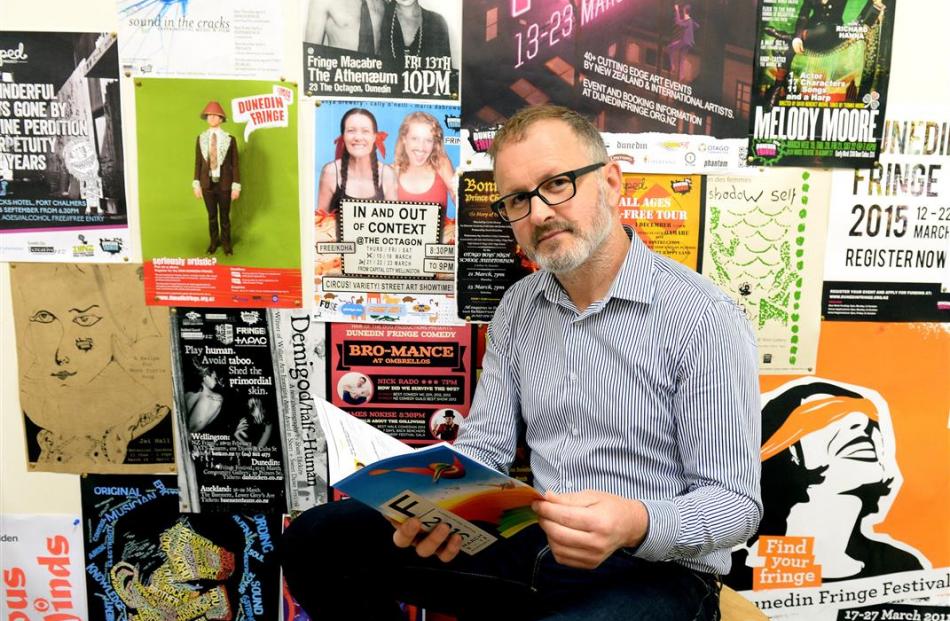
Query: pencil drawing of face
pixel 70 336
pixel 92 373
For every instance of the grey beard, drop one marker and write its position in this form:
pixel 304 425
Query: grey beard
pixel 569 260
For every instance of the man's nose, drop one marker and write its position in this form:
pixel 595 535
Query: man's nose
pixel 541 212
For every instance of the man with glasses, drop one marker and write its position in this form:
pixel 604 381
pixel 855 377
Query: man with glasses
pixel 634 383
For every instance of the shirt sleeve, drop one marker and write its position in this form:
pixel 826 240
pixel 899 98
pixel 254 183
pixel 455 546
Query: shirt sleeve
pixel 490 432
pixel 717 413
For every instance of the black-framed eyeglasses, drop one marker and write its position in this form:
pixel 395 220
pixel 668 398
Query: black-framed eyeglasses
pixel 553 191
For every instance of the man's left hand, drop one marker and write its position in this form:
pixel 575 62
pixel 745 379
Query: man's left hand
pixel 584 528
pixel 235 194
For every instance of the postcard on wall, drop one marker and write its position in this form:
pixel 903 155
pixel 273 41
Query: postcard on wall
pixel 764 244
pixel 414 383
pixel 299 350
pixel 819 90
pixel 95 369
pixel 228 443
pixel 218 195
pixel 201 38
pixel 41 559
pixel 145 560
pixel 380 49
pixel 889 227
pixel 385 213
pixel 646 66
pixel 854 509
pixel 62 181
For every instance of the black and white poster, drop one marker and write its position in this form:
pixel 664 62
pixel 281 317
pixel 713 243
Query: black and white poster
pixel 889 226
pixel 62 183
pixel 375 48
pixel 228 443
pixel 299 349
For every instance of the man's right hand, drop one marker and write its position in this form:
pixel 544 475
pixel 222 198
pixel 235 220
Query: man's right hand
pixel 437 541
pixel 197 192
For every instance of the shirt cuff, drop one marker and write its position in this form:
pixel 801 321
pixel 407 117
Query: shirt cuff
pixel 196 184
pixel 662 532
pixel 235 187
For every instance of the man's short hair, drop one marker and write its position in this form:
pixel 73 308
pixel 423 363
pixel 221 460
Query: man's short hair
pixel 516 127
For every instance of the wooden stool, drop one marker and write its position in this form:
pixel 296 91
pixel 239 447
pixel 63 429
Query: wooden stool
pixel 734 607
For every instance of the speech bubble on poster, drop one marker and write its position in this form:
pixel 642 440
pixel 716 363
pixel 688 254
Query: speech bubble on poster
pixel 260 111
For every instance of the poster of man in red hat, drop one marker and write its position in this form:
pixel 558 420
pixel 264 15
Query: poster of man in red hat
pixel 218 192
pixel 217 176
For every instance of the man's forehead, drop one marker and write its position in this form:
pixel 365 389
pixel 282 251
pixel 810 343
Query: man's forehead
pixel 546 148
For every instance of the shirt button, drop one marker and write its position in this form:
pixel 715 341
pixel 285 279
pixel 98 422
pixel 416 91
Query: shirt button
pixel 572 377
pixel 575 431
pixel 569 485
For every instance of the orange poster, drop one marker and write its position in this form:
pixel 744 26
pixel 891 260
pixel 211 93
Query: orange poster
pixel 665 211
pixel 855 477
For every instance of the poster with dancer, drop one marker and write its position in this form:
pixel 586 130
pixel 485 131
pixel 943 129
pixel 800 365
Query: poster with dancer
pixel 94 369
pixel 646 66
pixel 820 85
pixel 62 181
pixel 764 244
pixel 145 560
pixel 380 49
pixel 854 509
pixel 889 227
pixel 218 194
pixel 228 444
pixel 385 212
pixel 237 39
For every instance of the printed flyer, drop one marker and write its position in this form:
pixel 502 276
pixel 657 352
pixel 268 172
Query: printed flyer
pixel 228 443
pixel 664 210
pixel 414 383
pixel 41 560
pixel 820 86
pixel 385 213
pixel 146 561
pixel 889 227
pixel 647 66
pixel 94 369
pixel 299 351
pixel 201 38
pixel 764 246
pixel 381 49
pixel 62 181
pixel 854 507
pixel 218 194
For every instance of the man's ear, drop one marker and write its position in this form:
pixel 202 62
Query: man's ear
pixel 125 578
pixel 614 180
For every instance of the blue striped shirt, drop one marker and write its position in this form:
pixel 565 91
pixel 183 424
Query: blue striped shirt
pixel 650 393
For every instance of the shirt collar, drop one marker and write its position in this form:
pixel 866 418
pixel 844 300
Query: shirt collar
pixel 634 281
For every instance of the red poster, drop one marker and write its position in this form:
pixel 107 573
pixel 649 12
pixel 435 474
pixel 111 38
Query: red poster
pixel 413 382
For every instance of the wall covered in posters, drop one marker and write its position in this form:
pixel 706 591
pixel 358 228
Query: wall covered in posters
pixel 642 75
